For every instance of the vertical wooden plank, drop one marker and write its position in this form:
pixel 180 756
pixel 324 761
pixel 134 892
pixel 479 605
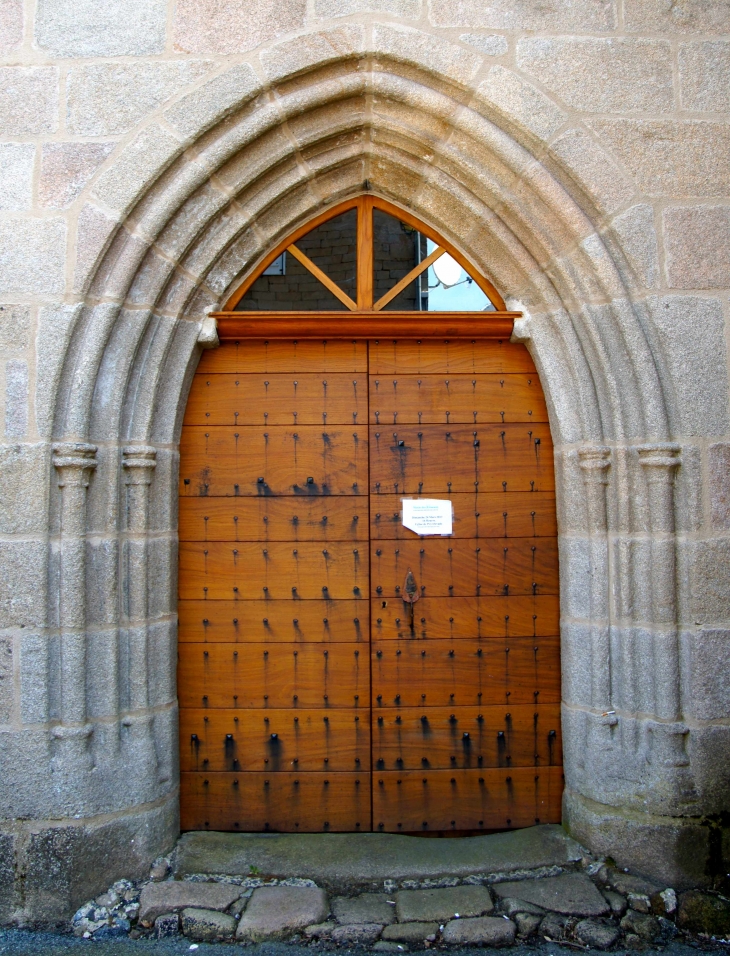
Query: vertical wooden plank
pixel 365 254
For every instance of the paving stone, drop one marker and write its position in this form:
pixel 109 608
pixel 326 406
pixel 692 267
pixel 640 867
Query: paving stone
pixel 595 934
pixel 640 924
pixel 572 893
pixel 442 904
pixel 276 912
pixel 616 902
pixel 509 906
pixel 481 931
pixel 410 932
pixel 553 926
pixel 206 926
pixel 167 925
pixel 628 883
pixel 527 923
pixel 366 908
pixel 159 898
pixel 664 903
pixel 639 902
pixel 385 946
pixel 357 933
pixel 320 930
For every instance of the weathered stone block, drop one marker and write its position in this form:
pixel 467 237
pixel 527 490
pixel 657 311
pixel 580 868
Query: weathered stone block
pixel 416 48
pixel 356 934
pixel 16 169
pixel 704 75
pixel 83 28
pixel 290 57
pixel 489 44
pixel 207 926
pixel 14 328
pixel 23 474
pixel 16 398
pixel 28 100
pixel 602 75
pixel 706 693
pixel 480 931
pixel 406 9
pixel 67 865
pixel 275 912
pixel 719 475
pixel 22 583
pixel 527 923
pixel 644 926
pixel 635 230
pixel 32 256
pixel 697 244
pixel 669 158
pixel 703 913
pixel 11 25
pixel 107 99
pixel 700 16
pixel 595 934
pixel 520 103
pixel 7 876
pixel 141 161
pixel 167 925
pixel 414 933
pixel 366 908
pixel 7 684
pixel 206 27
pixel 572 894
pixel 605 185
pixel 687 335
pixel 34 672
pixel 442 904
pixel 177 895
pixel 66 168
pixel 563 15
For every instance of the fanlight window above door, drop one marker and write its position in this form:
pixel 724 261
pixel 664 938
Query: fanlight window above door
pixel 365 255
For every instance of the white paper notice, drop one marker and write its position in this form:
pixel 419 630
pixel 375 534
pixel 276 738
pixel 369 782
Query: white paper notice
pixel 427 515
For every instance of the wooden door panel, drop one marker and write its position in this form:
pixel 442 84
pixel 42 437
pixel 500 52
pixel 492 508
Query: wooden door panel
pixel 456 399
pixel 276 570
pixel 411 357
pixel 510 457
pixel 446 567
pixel 466 673
pixel 484 515
pixel 288 802
pixel 323 518
pixel 273 622
pixel 412 801
pixel 442 738
pixel 287 676
pixel 468 617
pixel 296 398
pixel 225 460
pixel 255 356
pixel 274 740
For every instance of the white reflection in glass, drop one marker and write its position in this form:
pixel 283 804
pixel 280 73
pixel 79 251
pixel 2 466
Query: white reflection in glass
pixel 450 288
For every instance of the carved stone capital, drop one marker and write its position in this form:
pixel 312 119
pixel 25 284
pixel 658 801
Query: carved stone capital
pixel 139 461
pixel 74 462
pixel 595 462
pixel 659 460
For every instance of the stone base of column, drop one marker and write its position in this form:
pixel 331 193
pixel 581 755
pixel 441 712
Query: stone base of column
pixel 681 852
pixel 49 868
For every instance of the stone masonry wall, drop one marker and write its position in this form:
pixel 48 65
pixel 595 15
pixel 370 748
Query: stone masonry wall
pixel 577 151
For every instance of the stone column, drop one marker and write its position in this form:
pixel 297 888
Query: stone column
pixel 595 463
pixel 659 463
pixel 74 463
pixel 139 463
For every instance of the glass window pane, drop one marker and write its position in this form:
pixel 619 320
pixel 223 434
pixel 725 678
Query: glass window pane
pixel 395 253
pixel 333 247
pixel 451 288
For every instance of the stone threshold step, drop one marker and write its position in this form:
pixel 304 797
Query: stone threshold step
pixel 352 859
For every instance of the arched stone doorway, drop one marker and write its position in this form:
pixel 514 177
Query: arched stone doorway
pixel 315 693
pixel 163 240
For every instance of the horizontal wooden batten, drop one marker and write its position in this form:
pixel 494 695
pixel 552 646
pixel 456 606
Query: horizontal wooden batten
pixel 312 802
pixel 418 801
pixel 358 325
pixel 274 622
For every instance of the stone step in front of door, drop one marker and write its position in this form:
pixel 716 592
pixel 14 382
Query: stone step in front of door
pixel 342 861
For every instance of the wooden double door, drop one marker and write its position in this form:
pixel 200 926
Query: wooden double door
pixel 315 693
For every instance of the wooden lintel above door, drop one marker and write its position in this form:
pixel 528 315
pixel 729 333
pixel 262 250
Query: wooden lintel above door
pixel 347 324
